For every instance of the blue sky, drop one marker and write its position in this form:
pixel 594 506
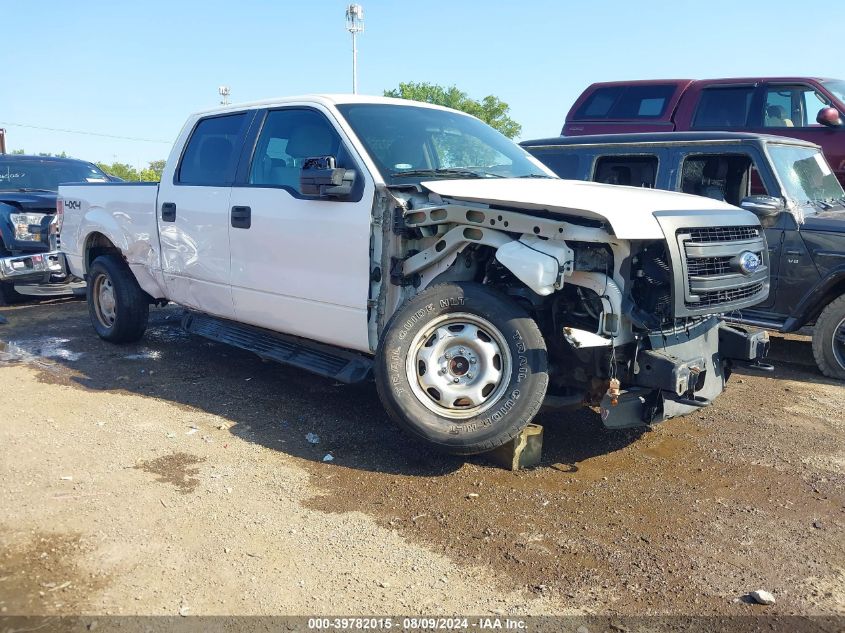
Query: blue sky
pixel 137 69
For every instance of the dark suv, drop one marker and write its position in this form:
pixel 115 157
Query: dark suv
pixel 28 241
pixel 786 182
pixel 807 108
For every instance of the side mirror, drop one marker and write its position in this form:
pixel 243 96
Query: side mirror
pixel 321 177
pixel 763 206
pixel 829 117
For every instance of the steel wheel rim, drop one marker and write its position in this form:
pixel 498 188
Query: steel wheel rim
pixel 458 365
pixel 104 302
pixel 837 343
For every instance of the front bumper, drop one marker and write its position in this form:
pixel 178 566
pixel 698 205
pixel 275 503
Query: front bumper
pixel 679 372
pixel 34 267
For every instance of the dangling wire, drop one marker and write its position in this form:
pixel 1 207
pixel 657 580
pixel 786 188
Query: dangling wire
pixel 614 385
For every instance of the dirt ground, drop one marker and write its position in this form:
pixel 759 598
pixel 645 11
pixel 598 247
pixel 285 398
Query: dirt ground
pixel 174 476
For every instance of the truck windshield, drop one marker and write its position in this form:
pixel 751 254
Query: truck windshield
pixel 806 175
pixel 45 175
pixel 410 144
pixel 836 88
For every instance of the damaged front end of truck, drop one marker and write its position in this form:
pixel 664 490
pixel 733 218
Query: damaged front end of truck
pixel 629 303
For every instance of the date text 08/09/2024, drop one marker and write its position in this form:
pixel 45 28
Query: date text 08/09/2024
pixel 418 623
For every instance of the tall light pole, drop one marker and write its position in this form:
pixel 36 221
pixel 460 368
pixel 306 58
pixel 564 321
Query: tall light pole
pixel 355 25
pixel 224 92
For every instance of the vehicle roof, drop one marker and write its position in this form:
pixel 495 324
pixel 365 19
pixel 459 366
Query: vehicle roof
pixel 641 82
pixel 668 138
pixel 323 99
pixel 30 157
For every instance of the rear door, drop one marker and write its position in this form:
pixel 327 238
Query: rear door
pixel 300 264
pixel 721 107
pixel 193 213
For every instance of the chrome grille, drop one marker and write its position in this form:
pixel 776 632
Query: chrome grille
pixel 704 266
pixel 712 277
pixel 719 297
pixel 723 234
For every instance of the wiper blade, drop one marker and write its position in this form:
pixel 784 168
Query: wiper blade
pixel 450 171
pixel 30 189
pixel 536 176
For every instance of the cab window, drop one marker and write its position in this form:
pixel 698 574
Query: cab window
pixel 288 137
pixel 211 156
pixel 728 178
pixel 792 106
pixel 564 164
pixel 633 171
pixel 724 108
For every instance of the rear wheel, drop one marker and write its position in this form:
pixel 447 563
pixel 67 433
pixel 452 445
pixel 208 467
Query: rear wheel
pixel 829 339
pixel 462 367
pixel 118 308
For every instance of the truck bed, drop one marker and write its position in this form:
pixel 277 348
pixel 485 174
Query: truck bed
pixel 126 212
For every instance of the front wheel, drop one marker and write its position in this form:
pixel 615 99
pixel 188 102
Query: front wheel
pixel 8 294
pixel 118 308
pixel 829 339
pixel 462 367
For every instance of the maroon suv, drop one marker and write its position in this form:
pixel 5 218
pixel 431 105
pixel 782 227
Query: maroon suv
pixel 807 108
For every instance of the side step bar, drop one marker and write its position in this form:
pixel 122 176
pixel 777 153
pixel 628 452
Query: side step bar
pixel 342 365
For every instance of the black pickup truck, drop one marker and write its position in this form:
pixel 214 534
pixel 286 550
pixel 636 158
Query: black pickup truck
pixel 786 182
pixel 28 241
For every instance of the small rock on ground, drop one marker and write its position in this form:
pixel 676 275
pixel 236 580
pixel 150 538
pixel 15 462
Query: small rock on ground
pixel 761 596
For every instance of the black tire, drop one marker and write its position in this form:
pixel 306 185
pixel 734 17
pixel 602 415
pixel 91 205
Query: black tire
pixel 126 320
pixel 475 321
pixel 8 294
pixel 829 339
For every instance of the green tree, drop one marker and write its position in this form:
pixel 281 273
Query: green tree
pixel 121 170
pixel 152 173
pixel 20 152
pixel 490 109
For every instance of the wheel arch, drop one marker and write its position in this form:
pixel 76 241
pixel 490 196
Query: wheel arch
pixel 97 244
pixel 811 306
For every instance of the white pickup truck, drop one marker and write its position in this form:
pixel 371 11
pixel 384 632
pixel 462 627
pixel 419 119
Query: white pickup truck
pixel 356 236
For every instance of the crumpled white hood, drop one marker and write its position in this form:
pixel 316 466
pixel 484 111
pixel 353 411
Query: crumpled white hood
pixel 628 210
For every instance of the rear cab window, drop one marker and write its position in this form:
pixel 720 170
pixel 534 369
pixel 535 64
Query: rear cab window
pixel 211 155
pixel 647 101
pixel 634 171
pixel 565 164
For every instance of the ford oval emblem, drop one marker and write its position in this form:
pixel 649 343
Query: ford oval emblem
pixel 749 262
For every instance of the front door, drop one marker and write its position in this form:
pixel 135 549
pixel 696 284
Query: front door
pixel 791 109
pixel 797 273
pixel 193 210
pixel 300 264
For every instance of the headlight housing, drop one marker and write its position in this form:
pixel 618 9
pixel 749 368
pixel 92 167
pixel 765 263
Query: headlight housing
pixel 27 226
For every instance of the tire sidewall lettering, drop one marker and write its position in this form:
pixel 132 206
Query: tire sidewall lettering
pixel 526 379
